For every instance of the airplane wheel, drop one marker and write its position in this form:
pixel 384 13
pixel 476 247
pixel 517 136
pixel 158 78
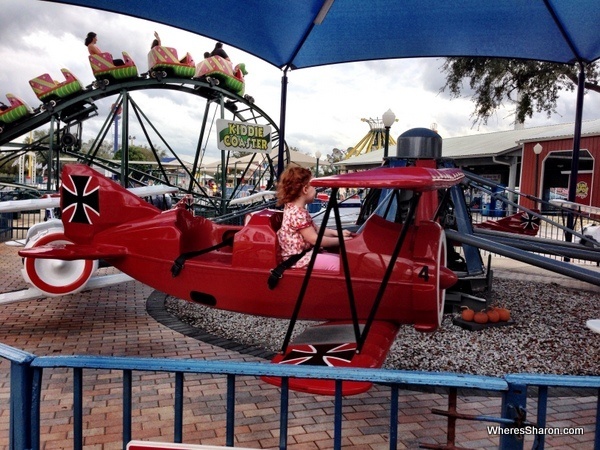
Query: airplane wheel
pixel 56 277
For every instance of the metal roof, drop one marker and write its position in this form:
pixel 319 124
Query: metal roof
pixel 490 144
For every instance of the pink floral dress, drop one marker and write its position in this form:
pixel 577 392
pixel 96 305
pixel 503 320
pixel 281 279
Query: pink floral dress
pixel 290 239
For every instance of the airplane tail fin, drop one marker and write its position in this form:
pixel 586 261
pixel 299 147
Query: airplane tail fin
pixel 519 223
pixel 91 203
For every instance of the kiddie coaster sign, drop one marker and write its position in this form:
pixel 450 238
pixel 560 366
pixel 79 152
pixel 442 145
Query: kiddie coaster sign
pixel 241 136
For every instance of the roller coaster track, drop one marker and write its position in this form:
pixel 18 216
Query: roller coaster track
pixel 81 103
pixel 81 106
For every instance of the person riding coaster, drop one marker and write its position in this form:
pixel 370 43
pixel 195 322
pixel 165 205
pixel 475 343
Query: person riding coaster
pixel 163 61
pixel 104 68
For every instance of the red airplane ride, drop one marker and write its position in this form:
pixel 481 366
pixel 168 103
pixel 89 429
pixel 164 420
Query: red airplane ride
pixel 393 271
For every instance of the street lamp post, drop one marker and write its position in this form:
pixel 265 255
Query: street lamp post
pixel 388 120
pixel 537 149
pixel 318 156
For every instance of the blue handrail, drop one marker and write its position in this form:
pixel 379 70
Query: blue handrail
pixel 27 373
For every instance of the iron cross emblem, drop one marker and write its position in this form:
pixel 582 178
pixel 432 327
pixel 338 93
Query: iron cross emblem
pixel 320 354
pixel 80 199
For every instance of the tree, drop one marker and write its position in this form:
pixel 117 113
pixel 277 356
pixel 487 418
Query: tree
pixel 533 86
pixel 104 151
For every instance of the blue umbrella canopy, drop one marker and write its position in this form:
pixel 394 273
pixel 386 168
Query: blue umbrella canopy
pixel 307 33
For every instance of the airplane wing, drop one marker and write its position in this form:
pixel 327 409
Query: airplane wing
pixel 412 178
pixel 262 195
pixel 29 205
pixel 72 252
pixel 147 191
pixel 594 325
pixel 333 344
pixel 54 201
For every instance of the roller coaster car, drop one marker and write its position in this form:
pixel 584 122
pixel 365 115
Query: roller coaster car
pixel 391 273
pixel 49 90
pixel 105 70
pixel 17 110
pixel 219 71
pixel 163 61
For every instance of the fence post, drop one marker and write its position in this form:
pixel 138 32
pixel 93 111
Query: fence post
pixel 21 377
pixel 514 402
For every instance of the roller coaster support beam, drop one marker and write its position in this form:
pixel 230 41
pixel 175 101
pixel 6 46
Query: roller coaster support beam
pixel 125 140
pixel 51 154
pixel 197 158
pixel 563 268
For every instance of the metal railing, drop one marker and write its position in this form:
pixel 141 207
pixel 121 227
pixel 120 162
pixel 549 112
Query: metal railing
pixel 15 225
pixel 27 385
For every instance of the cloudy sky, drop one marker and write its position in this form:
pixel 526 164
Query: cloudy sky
pixel 325 105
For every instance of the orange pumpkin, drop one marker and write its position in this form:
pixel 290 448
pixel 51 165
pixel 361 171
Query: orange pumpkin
pixel 504 314
pixel 481 317
pixel 467 314
pixel 493 315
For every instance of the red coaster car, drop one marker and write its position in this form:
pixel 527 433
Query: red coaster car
pixel 221 72
pixel 16 110
pixel 49 90
pixel 105 69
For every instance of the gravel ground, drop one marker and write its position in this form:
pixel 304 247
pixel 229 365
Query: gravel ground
pixel 548 335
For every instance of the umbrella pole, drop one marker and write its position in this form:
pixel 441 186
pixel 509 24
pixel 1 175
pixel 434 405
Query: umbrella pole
pixel 576 146
pixel 284 83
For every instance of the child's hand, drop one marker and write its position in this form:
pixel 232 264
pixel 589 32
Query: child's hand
pixel 346 234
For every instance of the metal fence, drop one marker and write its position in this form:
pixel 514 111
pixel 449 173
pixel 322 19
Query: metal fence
pixel 511 422
pixel 14 225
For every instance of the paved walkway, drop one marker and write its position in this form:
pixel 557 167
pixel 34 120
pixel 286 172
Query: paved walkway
pixel 115 321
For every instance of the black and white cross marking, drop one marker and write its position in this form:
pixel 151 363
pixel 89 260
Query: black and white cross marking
pixel 81 199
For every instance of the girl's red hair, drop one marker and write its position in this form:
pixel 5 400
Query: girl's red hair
pixel 290 184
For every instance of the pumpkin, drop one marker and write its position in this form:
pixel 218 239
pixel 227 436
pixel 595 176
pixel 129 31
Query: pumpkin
pixel 467 314
pixel 481 317
pixel 493 315
pixel 504 314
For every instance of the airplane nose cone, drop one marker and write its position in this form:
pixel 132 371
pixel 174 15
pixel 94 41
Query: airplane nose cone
pixel 447 278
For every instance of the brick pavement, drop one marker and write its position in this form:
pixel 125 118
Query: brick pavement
pixel 115 321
